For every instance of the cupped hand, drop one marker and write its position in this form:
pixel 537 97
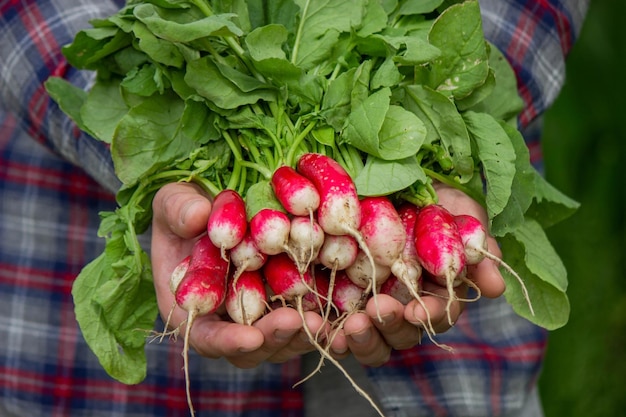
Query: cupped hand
pixel 181 212
pixel 180 215
pixel 371 340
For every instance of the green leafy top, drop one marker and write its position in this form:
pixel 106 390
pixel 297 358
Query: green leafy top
pixel 223 92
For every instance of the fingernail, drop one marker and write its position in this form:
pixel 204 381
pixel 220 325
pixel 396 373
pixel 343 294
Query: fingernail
pixel 362 336
pixel 246 349
pixel 388 318
pixel 282 335
pixel 340 351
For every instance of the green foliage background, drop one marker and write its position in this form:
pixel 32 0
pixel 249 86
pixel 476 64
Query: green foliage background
pixel 584 147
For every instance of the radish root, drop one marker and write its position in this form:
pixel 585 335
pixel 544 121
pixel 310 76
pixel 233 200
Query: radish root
pixel 325 354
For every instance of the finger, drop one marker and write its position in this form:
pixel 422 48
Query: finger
pixel 396 331
pixel 303 341
pixel 433 307
pixel 180 213
pixel 364 341
pixel 214 338
pixel 181 209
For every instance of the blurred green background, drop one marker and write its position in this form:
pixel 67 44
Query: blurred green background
pixel 584 147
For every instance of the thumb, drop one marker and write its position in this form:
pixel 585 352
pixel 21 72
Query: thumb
pixel 181 209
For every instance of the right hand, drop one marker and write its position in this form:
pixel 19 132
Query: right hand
pixel 181 211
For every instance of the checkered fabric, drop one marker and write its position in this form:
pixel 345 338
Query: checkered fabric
pixel 54 181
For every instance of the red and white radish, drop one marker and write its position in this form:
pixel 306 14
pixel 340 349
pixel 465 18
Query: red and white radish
pixel 284 278
pixel 412 271
pixel 383 232
pixel 339 211
pixel 338 251
pixel 246 299
pixel 347 297
pixel 179 273
pixel 384 235
pixel 362 273
pixel 317 299
pixel 269 229
pixel 305 240
pixel 201 290
pixel 474 238
pixel 396 289
pixel 296 193
pixel 440 249
pixel 246 256
pixel 227 222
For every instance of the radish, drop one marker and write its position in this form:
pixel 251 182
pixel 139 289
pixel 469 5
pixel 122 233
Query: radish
pixel 440 249
pixel 269 229
pixel 201 290
pixel 305 240
pixel 296 193
pixel 346 296
pixel 283 277
pixel 396 289
pixel 317 299
pixel 384 235
pixel 179 273
pixel 176 277
pixel 227 222
pixel 383 232
pixel 338 251
pixel 246 256
pixel 413 272
pixel 339 212
pixel 362 273
pixel 474 238
pixel 409 271
pixel 246 299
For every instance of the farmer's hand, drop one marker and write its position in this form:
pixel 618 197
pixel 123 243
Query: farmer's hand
pixel 181 212
pixel 371 340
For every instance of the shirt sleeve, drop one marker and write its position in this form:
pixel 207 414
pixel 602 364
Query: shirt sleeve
pixel 535 37
pixel 33 33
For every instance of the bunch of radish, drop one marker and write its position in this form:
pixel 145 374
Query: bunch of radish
pixel 328 250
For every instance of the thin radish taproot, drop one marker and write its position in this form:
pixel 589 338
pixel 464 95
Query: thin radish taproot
pixel 440 249
pixel 296 193
pixel 201 291
pixel 474 238
pixel 246 298
pixel 227 223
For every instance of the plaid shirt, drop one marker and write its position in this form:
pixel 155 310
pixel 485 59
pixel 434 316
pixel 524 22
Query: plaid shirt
pixel 54 180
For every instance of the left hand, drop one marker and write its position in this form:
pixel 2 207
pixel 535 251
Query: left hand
pixel 371 340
